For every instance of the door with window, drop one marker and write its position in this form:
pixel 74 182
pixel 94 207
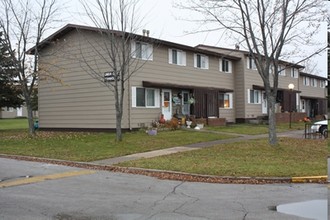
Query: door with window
pixel 185 103
pixel 167 104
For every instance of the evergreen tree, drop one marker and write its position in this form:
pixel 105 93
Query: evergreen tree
pixel 10 93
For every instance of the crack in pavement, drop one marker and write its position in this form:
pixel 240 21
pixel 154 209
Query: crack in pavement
pixel 246 212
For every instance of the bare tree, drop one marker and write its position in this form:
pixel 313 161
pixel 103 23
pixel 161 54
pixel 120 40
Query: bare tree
pixel 23 23
pixel 265 27
pixel 117 21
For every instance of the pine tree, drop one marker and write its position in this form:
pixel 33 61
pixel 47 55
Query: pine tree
pixel 10 93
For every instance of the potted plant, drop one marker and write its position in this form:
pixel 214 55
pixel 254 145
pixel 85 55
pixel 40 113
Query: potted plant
pixel 188 122
pixel 200 122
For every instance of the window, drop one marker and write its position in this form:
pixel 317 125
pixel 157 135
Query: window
pixel 226 100
pixel 142 50
pixel 10 109
pixel 294 73
pixel 201 61
pixel 225 65
pixel 177 57
pixel 281 70
pixel 322 84
pixel 145 97
pixel 254 96
pixel 251 64
pixel 314 82
pixel 306 81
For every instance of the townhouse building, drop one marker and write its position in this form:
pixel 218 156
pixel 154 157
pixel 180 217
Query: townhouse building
pixel 9 112
pixel 175 80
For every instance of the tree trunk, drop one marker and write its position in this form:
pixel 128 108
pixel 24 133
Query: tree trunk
pixel 271 99
pixel 119 115
pixel 32 132
pixel 119 135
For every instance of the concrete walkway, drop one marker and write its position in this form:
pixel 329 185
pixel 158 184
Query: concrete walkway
pixel 196 146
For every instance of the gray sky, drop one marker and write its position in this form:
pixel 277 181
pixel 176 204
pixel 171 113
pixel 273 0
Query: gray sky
pixel 167 23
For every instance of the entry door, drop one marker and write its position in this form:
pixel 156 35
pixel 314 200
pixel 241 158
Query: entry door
pixel 185 103
pixel 167 104
pixel 264 103
pixel 19 112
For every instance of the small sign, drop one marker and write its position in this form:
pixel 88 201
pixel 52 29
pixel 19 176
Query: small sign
pixel 110 76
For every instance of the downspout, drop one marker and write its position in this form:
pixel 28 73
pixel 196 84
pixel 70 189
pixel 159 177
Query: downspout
pixel 129 103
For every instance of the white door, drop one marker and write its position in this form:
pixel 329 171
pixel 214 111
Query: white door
pixel 167 104
pixel 19 112
pixel 264 103
pixel 185 103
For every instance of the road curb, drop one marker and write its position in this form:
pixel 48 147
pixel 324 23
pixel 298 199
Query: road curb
pixel 174 175
pixel 309 179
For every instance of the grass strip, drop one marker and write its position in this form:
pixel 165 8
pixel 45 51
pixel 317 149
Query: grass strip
pixel 293 157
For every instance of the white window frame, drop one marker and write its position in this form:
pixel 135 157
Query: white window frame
pixel 230 97
pixel 256 95
pixel 313 82
pixel 251 64
pixel 294 72
pixel 181 57
pixel 223 68
pixel 156 97
pixel 281 70
pixel 322 84
pixel 204 62
pixel 146 50
pixel 306 81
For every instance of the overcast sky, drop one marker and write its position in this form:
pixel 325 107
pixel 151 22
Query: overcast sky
pixel 167 23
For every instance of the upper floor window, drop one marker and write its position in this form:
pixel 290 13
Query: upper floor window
pixel 142 50
pixel 322 84
pixel 281 70
pixel 294 73
pixel 251 64
pixel 254 96
pixel 177 57
pixel 145 97
pixel 306 81
pixel 314 82
pixel 226 100
pixel 201 61
pixel 225 65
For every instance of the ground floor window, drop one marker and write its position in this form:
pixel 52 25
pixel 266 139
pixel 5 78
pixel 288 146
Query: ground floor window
pixel 254 96
pixel 226 100
pixel 145 97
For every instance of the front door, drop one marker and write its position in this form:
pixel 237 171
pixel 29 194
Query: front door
pixel 167 104
pixel 264 103
pixel 185 103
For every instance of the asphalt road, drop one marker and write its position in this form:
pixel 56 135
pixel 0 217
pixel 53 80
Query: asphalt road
pixel 36 191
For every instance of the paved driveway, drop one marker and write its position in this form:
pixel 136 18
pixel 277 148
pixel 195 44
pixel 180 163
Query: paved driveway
pixel 59 192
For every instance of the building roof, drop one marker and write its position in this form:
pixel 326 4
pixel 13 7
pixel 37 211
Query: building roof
pixel 312 76
pixel 244 52
pixel 71 27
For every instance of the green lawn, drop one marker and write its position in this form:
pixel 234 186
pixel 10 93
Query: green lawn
pixel 293 157
pixel 12 124
pixel 95 146
pixel 252 129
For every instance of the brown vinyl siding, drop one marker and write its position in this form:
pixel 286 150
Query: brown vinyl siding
pixel 73 99
pixel 76 100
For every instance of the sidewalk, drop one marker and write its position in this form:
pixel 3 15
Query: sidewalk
pixel 196 146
